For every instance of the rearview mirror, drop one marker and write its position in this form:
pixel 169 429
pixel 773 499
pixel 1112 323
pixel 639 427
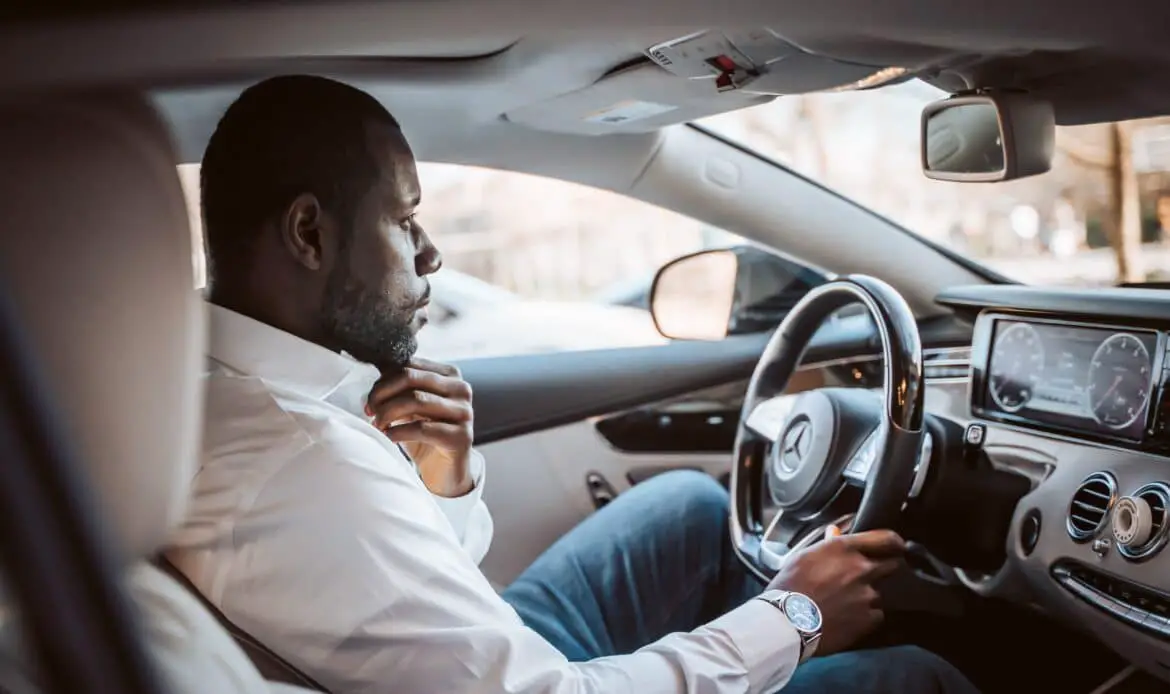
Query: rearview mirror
pixel 714 293
pixel 991 136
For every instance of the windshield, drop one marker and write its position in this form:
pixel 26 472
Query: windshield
pixel 1094 219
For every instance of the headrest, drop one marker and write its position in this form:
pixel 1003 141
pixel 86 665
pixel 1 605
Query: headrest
pixel 96 254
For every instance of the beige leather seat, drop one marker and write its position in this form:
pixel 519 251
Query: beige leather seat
pixel 96 251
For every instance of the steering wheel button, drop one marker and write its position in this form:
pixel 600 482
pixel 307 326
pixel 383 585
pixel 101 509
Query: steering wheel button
pixel 975 434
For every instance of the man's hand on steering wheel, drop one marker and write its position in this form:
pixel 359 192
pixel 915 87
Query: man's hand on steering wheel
pixel 838 574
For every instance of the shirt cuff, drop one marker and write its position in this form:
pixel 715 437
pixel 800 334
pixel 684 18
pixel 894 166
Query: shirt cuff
pixel 459 508
pixel 767 642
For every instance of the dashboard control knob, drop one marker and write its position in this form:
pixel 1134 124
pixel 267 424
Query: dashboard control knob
pixel 1133 521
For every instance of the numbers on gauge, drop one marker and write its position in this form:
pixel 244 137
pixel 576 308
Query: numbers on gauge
pixel 1119 381
pixel 1017 361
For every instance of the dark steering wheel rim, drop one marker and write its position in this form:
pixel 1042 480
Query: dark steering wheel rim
pixel 901 433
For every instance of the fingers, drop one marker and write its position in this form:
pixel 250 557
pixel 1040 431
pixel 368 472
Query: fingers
pixel 441 434
pixel 416 404
pixel 876 543
pixel 435 367
pixel 880 569
pixel 414 379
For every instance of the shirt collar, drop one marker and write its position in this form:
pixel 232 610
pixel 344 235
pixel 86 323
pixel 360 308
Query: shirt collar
pixel 285 360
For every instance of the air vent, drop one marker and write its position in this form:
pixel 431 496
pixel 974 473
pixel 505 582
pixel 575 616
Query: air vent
pixel 1089 509
pixel 1157 495
pixel 947 364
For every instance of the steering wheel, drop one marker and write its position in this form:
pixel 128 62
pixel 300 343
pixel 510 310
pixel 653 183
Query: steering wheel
pixel 800 461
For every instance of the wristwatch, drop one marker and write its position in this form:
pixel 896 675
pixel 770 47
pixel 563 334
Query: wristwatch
pixel 802 613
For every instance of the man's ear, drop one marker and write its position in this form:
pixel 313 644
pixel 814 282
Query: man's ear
pixel 306 232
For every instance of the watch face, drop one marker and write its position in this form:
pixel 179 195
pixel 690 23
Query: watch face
pixel 802 612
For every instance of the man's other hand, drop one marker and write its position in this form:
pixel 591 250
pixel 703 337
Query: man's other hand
pixel 427 408
pixel 838 574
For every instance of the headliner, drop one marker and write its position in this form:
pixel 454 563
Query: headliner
pixel 1095 61
pixel 452 71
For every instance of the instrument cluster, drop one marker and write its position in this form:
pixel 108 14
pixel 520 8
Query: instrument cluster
pixel 1084 379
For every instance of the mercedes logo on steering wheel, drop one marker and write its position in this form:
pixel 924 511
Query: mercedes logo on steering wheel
pixel 795 445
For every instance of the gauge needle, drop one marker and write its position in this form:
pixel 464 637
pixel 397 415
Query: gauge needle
pixel 1116 382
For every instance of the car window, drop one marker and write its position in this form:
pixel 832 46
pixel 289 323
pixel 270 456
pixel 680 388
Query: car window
pixel 1094 219
pixel 534 264
pixel 577 261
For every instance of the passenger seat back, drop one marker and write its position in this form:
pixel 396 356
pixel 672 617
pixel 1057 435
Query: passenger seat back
pixel 96 256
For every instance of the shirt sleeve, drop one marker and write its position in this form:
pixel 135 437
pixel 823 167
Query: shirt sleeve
pixel 468 514
pixel 347 567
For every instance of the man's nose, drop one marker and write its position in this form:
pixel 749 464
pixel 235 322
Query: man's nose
pixel 427 260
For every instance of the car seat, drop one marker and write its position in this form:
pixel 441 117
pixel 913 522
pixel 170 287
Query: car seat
pixel 96 260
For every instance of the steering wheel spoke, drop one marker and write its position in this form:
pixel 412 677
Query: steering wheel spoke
pixel 768 418
pixel 856 472
pixel 777 540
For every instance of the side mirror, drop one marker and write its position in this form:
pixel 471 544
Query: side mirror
pixel 715 293
pixel 991 136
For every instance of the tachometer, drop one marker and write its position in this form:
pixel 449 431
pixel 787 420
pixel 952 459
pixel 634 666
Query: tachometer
pixel 1017 358
pixel 1120 377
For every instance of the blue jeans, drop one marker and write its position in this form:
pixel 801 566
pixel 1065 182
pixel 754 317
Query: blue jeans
pixel 658 560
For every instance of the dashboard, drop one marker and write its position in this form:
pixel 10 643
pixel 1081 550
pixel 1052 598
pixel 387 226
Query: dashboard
pixel 1072 389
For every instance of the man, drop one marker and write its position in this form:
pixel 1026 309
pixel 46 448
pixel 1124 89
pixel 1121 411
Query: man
pixel 313 530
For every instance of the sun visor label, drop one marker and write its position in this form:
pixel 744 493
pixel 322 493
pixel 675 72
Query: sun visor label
pixel 628 111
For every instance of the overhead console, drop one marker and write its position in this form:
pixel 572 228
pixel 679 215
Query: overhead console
pixel 987 132
pixel 685 78
pixel 760 61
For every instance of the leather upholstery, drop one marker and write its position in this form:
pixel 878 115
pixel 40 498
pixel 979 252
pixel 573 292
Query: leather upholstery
pixel 96 253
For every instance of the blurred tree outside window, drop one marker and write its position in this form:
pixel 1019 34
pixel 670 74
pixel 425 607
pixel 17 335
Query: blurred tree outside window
pixel 1095 214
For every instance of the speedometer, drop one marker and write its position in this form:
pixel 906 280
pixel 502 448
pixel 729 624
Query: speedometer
pixel 1017 358
pixel 1119 381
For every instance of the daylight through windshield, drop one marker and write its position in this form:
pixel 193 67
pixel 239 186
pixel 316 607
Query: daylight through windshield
pixel 1098 217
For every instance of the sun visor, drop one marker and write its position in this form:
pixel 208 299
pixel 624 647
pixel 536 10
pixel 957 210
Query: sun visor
pixel 698 75
pixel 639 99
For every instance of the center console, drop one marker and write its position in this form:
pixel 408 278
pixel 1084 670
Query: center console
pixel 1139 606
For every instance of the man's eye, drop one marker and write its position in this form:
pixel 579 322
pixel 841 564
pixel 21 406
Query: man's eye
pixel 407 224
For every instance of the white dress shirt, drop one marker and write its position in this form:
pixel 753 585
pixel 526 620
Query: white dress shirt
pixel 311 531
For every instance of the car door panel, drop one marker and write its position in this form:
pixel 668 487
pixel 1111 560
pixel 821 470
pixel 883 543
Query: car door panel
pixel 548 423
pixel 705 422
pixel 537 487
pixel 521 394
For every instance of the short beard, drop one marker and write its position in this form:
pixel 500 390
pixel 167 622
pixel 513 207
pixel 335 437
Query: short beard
pixel 367 324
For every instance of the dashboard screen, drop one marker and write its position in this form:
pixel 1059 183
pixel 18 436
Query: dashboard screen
pixel 1086 379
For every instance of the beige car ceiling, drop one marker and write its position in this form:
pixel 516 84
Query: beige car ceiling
pixel 519 85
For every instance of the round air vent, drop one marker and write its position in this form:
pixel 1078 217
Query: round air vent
pixel 1089 509
pixel 1157 498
